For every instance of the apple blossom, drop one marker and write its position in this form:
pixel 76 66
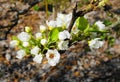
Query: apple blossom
pixel 42 28
pixel 35 50
pixel 43 41
pixel 38 35
pixel 53 57
pixel 95 43
pixel 23 36
pixel 20 54
pixel 14 43
pixel 63 19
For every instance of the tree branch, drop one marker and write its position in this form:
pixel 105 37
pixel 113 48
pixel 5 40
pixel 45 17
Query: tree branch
pixel 14 22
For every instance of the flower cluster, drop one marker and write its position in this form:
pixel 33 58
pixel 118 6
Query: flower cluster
pixel 54 37
pixel 39 45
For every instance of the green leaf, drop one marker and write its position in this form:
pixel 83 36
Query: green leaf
pixel 36 8
pixel 53 35
pixel 32 42
pixel 14 38
pixel 27 50
pixel 82 23
pixel 107 22
pixel 87 28
pixel 20 46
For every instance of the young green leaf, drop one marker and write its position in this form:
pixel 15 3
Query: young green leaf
pixel 87 28
pixel 36 8
pixel 81 23
pixel 107 22
pixel 14 38
pixel 53 35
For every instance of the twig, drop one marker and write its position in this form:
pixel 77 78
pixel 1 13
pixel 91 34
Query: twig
pixel 15 21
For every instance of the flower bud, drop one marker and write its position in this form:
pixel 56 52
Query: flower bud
pixel 27 29
pixel 35 50
pixel 38 35
pixel 64 35
pixel 43 42
pixel 25 44
pixel 100 25
pixel 14 43
pixel 42 28
pixel 20 54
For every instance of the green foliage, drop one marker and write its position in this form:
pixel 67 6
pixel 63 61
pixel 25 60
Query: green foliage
pixel 111 40
pixel 107 22
pixel 14 38
pixel 53 35
pixel 36 8
pixel 82 23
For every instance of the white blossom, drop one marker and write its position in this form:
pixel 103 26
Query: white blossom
pixel 14 43
pixel 38 35
pixel 61 20
pixel 64 35
pixel 53 57
pixel 35 50
pixel 95 43
pixel 23 36
pixel 38 58
pixel 20 54
pixel 43 41
pixel 100 25
pixel 25 44
pixel 42 28
pixel 63 45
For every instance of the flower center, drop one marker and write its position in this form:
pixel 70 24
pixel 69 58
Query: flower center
pixel 51 56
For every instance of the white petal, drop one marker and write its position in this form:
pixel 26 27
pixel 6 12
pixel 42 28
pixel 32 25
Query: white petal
pixel 64 35
pixel 38 58
pixel 51 23
pixel 100 25
pixel 63 45
pixel 95 43
pixel 52 62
